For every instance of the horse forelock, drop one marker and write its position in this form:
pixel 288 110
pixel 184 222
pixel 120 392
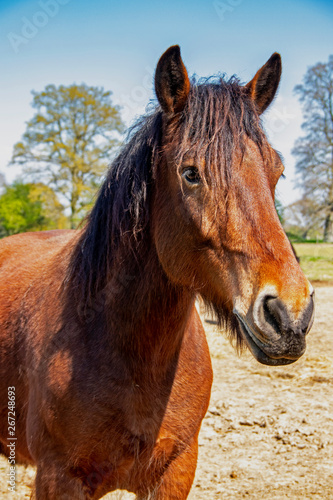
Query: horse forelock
pixel 218 118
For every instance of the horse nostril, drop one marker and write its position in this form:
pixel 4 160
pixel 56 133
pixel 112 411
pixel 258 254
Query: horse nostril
pixel 272 317
pixel 275 313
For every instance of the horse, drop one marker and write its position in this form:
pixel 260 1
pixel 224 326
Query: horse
pixel 103 357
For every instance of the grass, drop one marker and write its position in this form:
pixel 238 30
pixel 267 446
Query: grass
pixel 316 260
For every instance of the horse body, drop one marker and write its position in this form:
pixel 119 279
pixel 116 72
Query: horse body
pixel 131 407
pixel 99 333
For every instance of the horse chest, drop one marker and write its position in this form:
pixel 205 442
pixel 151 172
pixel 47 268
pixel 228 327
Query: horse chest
pixel 105 402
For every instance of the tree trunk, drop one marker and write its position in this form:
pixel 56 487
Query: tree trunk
pixel 73 202
pixel 328 228
pixel 72 214
pixel 305 234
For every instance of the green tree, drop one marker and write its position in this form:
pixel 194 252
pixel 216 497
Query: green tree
pixel 314 151
pixel 52 209
pixel 30 207
pixel 68 142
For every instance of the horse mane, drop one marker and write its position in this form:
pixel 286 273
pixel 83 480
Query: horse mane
pixel 216 118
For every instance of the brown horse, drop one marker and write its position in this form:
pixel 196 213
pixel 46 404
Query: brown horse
pixel 102 349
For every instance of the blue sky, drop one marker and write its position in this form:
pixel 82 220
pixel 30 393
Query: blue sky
pixel 117 44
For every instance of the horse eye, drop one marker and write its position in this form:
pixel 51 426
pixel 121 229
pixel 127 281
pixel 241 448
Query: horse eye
pixel 191 175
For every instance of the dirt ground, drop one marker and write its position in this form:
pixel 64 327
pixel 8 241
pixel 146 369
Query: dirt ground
pixel 268 433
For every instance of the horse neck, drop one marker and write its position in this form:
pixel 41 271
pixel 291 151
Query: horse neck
pixel 146 314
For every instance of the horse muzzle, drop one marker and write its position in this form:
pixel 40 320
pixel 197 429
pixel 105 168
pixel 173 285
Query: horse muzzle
pixel 271 331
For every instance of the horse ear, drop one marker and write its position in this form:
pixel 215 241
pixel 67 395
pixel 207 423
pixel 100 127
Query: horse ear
pixel 263 86
pixel 172 84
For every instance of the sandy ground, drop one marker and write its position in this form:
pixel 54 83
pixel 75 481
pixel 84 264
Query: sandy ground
pixel 268 433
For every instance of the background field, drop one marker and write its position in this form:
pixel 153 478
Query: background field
pixel 316 260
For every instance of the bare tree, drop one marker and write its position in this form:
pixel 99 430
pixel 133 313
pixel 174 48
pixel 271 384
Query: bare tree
pixel 314 151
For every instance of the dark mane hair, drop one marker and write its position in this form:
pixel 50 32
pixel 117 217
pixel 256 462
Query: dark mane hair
pixel 216 118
